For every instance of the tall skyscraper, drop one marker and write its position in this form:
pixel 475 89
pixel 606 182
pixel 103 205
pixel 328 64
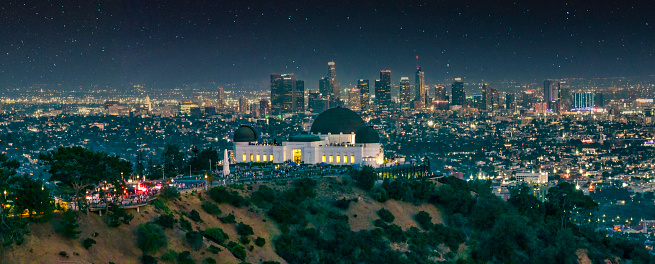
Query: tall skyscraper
pixel 264 107
pixel 324 87
pixel 487 97
pixel 243 105
pixel 383 90
pixel 312 99
pixel 221 98
pixel 551 94
pixel 355 100
pixel 583 100
pixel 528 99
pixel 287 93
pixel 363 87
pixel 510 102
pixel 420 90
pixel 299 96
pixel 439 93
pixel 458 94
pixel 147 104
pixel 335 88
pixel 405 93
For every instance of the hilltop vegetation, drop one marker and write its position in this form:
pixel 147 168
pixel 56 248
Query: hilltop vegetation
pixel 334 220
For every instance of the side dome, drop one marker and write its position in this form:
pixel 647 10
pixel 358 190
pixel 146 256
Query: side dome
pixel 337 120
pixel 245 134
pixel 367 134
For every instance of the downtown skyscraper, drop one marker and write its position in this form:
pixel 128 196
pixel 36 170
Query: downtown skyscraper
pixel 551 94
pixel 364 89
pixel 405 93
pixel 333 85
pixel 383 90
pixel 458 94
pixel 420 90
pixel 287 93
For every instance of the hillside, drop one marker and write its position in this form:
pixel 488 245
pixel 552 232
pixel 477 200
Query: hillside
pixel 119 245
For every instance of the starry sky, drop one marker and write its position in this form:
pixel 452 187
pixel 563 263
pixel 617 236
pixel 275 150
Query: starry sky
pixel 170 43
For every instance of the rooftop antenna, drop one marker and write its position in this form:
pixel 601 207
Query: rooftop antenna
pixel 417 62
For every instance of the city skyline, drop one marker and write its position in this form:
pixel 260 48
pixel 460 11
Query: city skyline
pixel 167 44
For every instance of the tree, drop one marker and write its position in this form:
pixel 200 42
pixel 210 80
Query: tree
pixel 69 225
pixel 566 202
pixel 31 196
pixel 366 178
pixel 244 229
pixel 195 239
pixel 150 237
pixel 386 215
pixel 80 168
pixel 173 159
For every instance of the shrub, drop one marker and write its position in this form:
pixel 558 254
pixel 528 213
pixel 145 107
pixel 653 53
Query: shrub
pixel 195 216
pixel 185 224
pixel 211 208
pixel 264 196
pixel 342 204
pixel 69 224
pixel 380 194
pixel 216 234
pixel 366 178
pixel 238 201
pixel 220 194
pixel 244 229
pixel 424 220
pixel 208 260
pixel 244 240
pixel 88 243
pixel 395 233
pixel 386 215
pixel 150 237
pixel 147 259
pixel 185 258
pixel 195 239
pixel 160 205
pixel 63 254
pixel 166 221
pixel 229 219
pixel 214 249
pixel 169 256
pixel 260 241
pixel 169 193
pixel 237 250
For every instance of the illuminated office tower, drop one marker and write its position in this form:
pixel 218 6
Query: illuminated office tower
pixel 363 87
pixel 583 101
pixel 221 98
pixel 243 105
pixel 551 94
pixel 335 88
pixel 420 90
pixel 405 93
pixel 439 93
pixel 287 93
pixel 355 100
pixel 383 90
pixel 458 94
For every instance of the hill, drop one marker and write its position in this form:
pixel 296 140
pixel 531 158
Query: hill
pixel 330 220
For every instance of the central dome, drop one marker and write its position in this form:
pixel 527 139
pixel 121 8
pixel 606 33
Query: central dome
pixel 245 134
pixel 337 120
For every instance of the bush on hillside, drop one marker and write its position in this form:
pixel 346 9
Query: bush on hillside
pixel 228 219
pixel 88 243
pixel 211 208
pixel 169 193
pixel 386 215
pixel 195 239
pixel 424 220
pixel 244 229
pixel 166 221
pixel 215 234
pixel 237 250
pixel 150 237
pixel 260 242
pixel 195 216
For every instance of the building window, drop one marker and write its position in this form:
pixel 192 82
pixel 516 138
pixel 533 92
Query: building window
pixel 250 157
pixel 323 160
pixel 244 157
pixel 331 159
pixel 270 157
pixel 352 158
pixel 264 156
pixel 257 158
pixel 345 159
pixel 338 158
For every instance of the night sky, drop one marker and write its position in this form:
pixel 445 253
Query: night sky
pixel 170 43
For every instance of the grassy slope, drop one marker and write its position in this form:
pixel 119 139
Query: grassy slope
pixel 119 244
